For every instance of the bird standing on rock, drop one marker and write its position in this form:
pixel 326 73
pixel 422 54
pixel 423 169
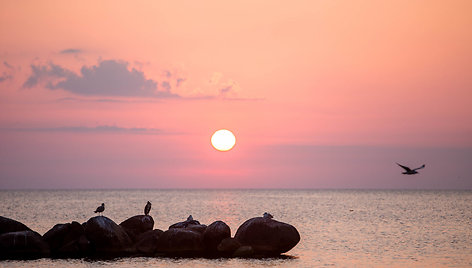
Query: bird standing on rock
pixel 100 209
pixel 147 208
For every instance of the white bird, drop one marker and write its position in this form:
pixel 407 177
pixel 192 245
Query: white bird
pixel 100 209
pixel 409 171
pixel 147 208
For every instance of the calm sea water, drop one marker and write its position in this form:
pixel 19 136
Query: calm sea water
pixel 344 228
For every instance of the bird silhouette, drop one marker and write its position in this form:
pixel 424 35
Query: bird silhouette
pixel 100 209
pixel 409 171
pixel 147 208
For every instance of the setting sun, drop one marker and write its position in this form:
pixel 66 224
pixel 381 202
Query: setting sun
pixel 223 140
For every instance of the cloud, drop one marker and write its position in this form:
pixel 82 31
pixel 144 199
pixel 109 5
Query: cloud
pixel 8 73
pixel 42 73
pixel 7 65
pixel 97 129
pixel 5 77
pixel 108 78
pixel 71 51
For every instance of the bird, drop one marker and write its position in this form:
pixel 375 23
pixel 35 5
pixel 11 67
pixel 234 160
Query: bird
pixel 100 209
pixel 267 215
pixel 409 171
pixel 147 208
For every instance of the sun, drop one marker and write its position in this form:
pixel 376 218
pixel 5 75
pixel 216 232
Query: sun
pixel 223 140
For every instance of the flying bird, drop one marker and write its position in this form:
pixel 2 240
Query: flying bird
pixel 147 208
pixel 100 209
pixel 409 171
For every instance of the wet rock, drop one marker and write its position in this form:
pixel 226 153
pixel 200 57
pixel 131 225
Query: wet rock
pixel 200 228
pixel 190 224
pixel 180 242
pixel 185 224
pixel 63 239
pixel 228 246
pixel 22 245
pixel 214 234
pixel 137 225
pixel 107 238
pixel 147 242
pixel 8 225
pixel 244 252
pixel 267 236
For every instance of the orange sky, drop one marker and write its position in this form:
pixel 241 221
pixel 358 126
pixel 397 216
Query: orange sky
pixel 286 78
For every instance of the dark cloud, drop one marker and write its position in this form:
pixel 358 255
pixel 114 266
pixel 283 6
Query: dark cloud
pixel 108 78
pixel 46 72
pixel 71 51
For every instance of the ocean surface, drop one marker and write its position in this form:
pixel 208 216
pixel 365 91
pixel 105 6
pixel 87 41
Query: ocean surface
pixel 341 228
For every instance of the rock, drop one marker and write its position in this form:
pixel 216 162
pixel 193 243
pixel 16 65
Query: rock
pixel 200 228
pixel 267 236
pixel 137 225
pixel 184 224
pixel 228 246
pixel 214 234
pixel 147 242
pixel 244 252
pixel 107 238
pixel 22 245
pixel 8 225
pixel 63 239
pixel 180 242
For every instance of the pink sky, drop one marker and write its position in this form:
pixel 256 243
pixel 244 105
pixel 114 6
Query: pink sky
pixel 320 94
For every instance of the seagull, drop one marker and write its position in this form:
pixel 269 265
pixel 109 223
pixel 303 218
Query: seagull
pixel 147 208
pixel 267 215
pixel 100 209
pixel 409 171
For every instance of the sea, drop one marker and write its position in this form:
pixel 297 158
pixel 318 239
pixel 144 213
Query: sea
pixel 338 228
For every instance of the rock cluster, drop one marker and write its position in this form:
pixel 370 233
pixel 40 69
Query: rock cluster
pixel 101 237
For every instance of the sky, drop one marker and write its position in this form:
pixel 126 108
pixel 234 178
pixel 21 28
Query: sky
pixel 319 94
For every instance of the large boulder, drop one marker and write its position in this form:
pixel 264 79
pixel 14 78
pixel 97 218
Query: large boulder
pixel 8 225
pixel 190 224
pixel 267 236
pixel 137 225
pixel 228 246
pixel 107 238
pixel 184 224
pixel 67 239
pixel 22 245
pixel 214 234
pixel 180 242
pixel 244 252
pixel 147 242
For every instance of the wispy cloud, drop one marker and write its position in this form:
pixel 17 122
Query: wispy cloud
pixel 71 51
pixel 96 129
pixel 7 73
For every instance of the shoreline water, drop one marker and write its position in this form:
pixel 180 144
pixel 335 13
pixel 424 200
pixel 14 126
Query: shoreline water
pixel 384 228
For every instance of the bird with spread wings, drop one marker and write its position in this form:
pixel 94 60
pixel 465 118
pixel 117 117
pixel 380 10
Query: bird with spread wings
pixel 409 171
